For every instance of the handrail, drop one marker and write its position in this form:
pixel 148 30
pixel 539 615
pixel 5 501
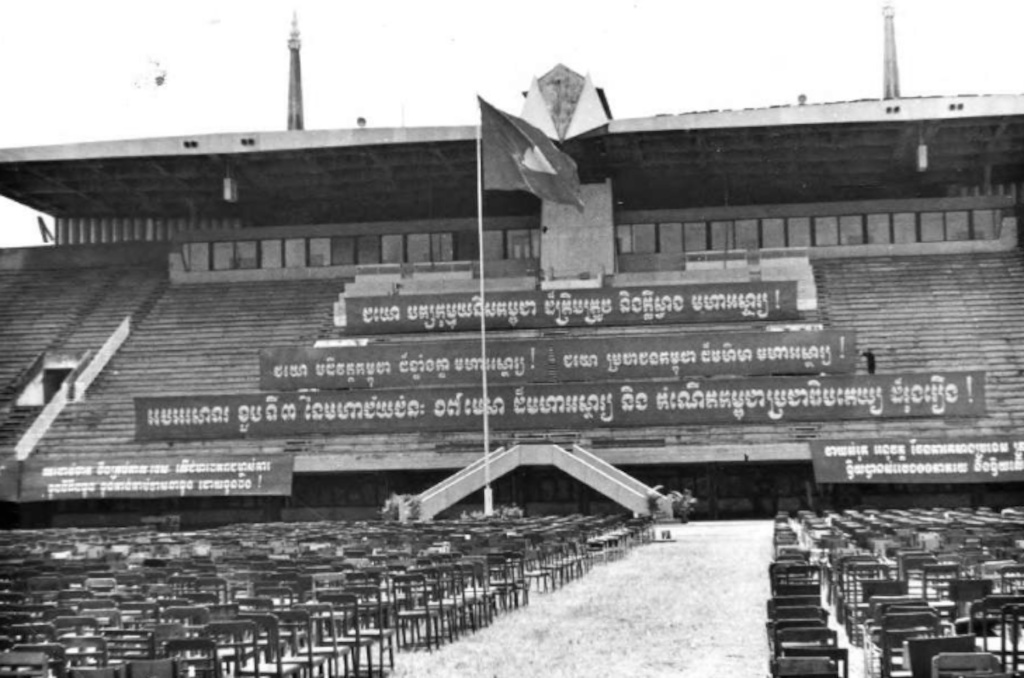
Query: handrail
pixel 113 343
pixel 460 474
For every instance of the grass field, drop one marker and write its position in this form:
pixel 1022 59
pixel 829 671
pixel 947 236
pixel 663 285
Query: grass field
pixel 692 607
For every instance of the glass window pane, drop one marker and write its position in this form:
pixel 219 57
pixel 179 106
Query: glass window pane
pixel 721 235
pixel 878 229
pixel 223 256
pixel 466 246
pixel 368 249
pixel 295 253
pixel 904 227
pixel 245 254
pixel 746 235
pixel 391 249
pixel 319 251
pixel 670 238
pixel 535 243
pixel 441 247
pixel 851 230
pixel 799 231
pixel 624 239
pixel 957 226
pixel 695 236
pixel 197 256
pixel 270 253
pixel 984 224
pixel 826 231
pixel 418 247
pixel 932 227
pixel 343 251
pixel 774 232
pixel 494 245
pixel 644 238
pixel 518 244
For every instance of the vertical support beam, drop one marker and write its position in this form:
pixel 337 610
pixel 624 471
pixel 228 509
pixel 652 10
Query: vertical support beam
pixel 891 85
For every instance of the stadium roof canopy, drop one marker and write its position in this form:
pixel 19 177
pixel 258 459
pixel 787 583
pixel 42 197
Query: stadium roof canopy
pixel 806 153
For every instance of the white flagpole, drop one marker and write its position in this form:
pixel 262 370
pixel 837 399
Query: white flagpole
pixel 488 493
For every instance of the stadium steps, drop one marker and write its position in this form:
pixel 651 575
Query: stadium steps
pixel 18 420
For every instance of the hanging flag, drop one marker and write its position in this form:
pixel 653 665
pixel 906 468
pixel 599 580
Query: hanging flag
pixel 519 157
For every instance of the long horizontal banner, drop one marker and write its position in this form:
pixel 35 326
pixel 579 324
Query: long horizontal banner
pixel 390 365
pixel 981 459
pixel 563 360
pixel 562 406
pixel 655 305
pixel 174 477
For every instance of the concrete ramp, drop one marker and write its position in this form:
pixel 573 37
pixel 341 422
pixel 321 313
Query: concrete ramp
pixel 582 465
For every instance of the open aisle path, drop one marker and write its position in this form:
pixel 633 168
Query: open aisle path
pixel 694 607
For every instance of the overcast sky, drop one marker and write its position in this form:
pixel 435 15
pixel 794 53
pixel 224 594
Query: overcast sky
pixel 77 70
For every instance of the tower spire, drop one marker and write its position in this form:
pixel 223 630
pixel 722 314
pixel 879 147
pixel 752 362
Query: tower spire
pixel 891 86
pixel 295 77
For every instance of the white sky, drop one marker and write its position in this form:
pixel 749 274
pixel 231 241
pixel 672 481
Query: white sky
pixel 77 70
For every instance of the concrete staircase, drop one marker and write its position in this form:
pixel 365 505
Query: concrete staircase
pixel 585 467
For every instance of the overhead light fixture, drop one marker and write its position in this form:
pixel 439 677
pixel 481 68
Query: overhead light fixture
pixel 230 186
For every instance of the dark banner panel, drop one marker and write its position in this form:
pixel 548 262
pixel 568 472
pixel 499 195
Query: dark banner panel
pixel 750 353
pixel 655 305
pixel 981 459
pixel 562 406
pixel 9 480
pixel 525 361
pixel 170 477
pixel 389 365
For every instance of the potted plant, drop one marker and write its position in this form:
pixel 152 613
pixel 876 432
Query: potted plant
pixel 682 504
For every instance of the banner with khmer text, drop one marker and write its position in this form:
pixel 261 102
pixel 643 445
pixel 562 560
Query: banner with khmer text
pixel 140 478
pixel 563 406
pixel 524 361
pixel 980 459
pixel 602 307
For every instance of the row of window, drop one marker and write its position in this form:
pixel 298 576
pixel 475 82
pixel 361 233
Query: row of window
pixel 363 249
pixel 652 238
pixel 777 232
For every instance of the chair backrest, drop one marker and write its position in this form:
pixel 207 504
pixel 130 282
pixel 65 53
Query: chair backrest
pixel 151 668
pixel 920 651
pixel 950 664
pixel 236 642
pixel 882 587
pixel 125 645
pixel 805 667
pixel 195 656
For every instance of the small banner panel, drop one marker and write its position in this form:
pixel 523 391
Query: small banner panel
pixel 562 406
pixel 740 353
pixel 607 306
pixel 524 361
pixel 982 459
pixel 170 477
pixel 390 365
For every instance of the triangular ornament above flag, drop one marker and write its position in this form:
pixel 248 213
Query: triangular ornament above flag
pixel 519 157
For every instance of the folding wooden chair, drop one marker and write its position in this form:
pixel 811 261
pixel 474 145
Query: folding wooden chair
pixel 966 665
pixel 23 664
pixel 920 651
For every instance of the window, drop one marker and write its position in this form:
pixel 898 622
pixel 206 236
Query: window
pixel 246 254
pixel 904 227
pixel 878 229
pixel 368 249
pixel 197 256
pixel 418 248
pixel 295 253
pixel 319 252
pixel 223 256
pixel 466 246
pixel 985 224
pixel 826 231
pixel 624 239
pixel 270 253
pixel 391 249
pixel 518 244
pixel 670 238
pixel 746 235
pixel 441 247
pixel 851 230
pixel 343 251
pixel 774 232
pixel 932 227
pixel 721 235
pixel 799 231
pixel 494 245
pixel 695 236
pixel 958 226
pixel 644 239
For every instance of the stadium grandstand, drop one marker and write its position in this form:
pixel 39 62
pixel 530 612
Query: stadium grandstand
pixel 806 307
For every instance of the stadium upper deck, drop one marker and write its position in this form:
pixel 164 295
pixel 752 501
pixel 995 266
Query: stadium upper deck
pixel 895 220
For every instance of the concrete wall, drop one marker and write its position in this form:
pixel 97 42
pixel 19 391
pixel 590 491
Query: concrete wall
pixel 572 243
